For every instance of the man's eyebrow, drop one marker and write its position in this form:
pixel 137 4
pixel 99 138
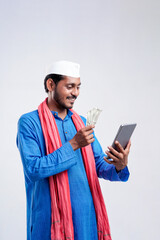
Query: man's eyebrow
pixel 73 84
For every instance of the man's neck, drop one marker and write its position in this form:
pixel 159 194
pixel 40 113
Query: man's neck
pixel 54 107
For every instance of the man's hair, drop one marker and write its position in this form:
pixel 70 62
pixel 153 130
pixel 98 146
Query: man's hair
pixel 55 77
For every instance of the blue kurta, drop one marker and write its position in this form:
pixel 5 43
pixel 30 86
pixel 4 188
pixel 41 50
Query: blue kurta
pixel 38 167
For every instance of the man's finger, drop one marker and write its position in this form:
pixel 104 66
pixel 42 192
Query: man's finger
pixel 108 161
pixel 89 132
pixel 120 148
pixel 91 140
pixel 110 155
pixel 89 127
pixel 113 151
pixel 128 145
pixel 90 136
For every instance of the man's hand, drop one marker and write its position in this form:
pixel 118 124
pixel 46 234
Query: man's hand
pixel 120 157
pixel 82 138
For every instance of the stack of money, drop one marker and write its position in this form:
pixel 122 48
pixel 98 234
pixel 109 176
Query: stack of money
pixel 92 116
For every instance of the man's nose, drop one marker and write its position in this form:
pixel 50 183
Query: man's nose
pixel 75 92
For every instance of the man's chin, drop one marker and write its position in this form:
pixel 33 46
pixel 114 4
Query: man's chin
pixel 70 107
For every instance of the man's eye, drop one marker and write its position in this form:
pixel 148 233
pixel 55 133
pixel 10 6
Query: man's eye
pixel 69 87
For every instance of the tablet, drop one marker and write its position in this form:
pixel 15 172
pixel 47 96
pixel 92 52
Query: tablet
pixel 124 134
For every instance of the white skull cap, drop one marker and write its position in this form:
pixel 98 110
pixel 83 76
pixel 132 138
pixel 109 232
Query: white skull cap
pixel 65 68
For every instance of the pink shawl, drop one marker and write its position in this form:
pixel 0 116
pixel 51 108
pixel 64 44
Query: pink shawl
pixel 61 212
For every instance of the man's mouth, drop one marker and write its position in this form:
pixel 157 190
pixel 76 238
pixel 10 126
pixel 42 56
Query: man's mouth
pixel 72 99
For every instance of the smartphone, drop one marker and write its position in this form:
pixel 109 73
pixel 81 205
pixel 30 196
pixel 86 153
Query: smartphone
pixel 123 135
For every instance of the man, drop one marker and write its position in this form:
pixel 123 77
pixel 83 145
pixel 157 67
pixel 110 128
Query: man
pixel 61 159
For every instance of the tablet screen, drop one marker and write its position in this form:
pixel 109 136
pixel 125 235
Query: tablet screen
pixel 124 134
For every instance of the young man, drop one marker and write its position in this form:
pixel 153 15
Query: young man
pixel 61 159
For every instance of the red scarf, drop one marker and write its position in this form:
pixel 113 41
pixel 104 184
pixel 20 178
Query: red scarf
pixel 61 212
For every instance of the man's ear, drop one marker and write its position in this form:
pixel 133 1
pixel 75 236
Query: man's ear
pixel 50 85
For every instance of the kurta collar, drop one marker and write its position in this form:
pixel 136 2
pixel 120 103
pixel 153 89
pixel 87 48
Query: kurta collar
pixel 69 114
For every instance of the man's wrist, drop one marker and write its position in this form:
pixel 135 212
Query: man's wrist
pixel 74 144
pixel 119 169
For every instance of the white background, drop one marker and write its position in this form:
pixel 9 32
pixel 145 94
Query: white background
pixel 117 43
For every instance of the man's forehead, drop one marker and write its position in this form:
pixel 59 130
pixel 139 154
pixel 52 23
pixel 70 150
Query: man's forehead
pixel 72 80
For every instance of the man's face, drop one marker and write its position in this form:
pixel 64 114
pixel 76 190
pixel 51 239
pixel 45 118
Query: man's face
pixel 66 92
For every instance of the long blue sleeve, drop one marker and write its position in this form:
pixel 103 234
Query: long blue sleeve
pixel 36 164
pixel 105 170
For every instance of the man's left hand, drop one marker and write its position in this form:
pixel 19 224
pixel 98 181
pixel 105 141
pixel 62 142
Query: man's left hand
pixel 120 157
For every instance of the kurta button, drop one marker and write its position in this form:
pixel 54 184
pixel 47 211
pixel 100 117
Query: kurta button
pixel 66 132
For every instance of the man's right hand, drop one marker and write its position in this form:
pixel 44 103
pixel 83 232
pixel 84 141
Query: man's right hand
pixel 83 137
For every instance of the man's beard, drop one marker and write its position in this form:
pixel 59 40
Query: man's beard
pixel 59 100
